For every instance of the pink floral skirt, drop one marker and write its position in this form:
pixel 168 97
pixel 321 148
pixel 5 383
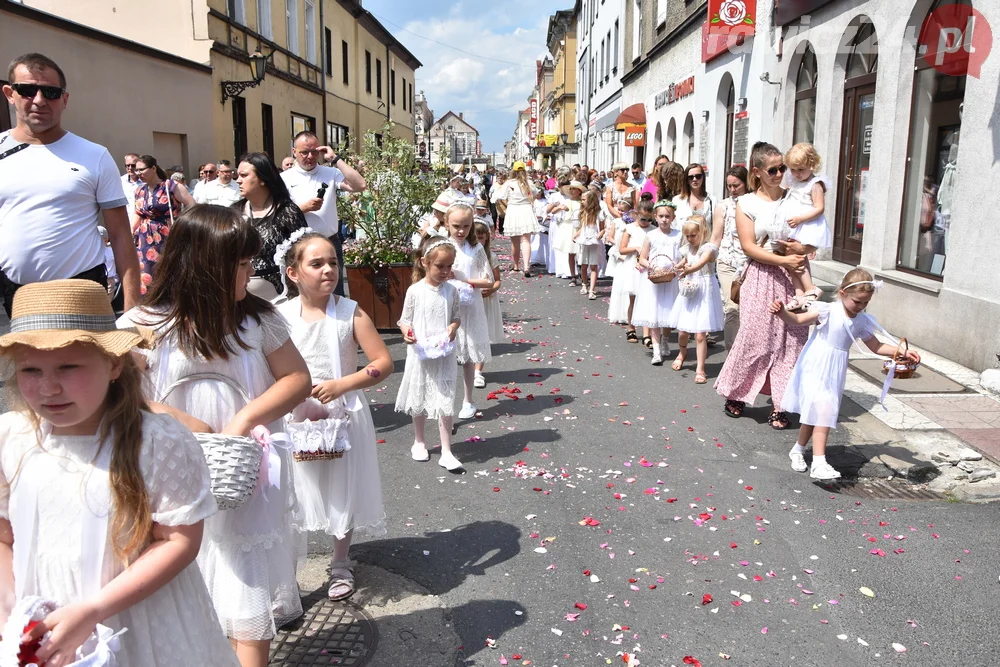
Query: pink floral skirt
pixel 149 238
pixel 761 358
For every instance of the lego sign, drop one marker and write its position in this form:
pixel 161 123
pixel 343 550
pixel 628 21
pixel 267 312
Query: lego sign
pixel 635 135
pixel 955 40
pixel 533 120
pixel 729 23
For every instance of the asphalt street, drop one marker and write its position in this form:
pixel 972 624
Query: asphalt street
pixel 610 508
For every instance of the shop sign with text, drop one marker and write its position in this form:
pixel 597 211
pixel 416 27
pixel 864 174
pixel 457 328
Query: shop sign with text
pixel 729 23
pixel 675 92
pixel 533 120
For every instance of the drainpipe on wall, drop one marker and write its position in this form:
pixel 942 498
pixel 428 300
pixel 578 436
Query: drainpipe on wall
pixel 388 98
pixel 322 69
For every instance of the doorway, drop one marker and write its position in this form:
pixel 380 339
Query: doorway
pixel 857 138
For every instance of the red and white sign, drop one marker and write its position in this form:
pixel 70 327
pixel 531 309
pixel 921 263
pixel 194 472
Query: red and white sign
pixel 533 120
pixel 955 40
pixel 729 23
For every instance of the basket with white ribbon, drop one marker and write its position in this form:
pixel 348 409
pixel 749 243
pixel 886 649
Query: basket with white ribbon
pixel 318 432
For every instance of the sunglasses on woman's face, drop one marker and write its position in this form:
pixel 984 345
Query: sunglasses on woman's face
pixel 780 169
pixel 695 177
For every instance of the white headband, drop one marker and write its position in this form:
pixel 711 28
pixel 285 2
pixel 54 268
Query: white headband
pixel 876 284
pixel 282 250
pixel 435 244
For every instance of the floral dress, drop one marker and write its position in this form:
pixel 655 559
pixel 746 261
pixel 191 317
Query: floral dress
pixel 154 209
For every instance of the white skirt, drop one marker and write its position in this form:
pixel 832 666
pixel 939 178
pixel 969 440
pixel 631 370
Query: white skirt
pixel 520 219
pixel 473 340
pixel 589 254
pixel 494 318
pixel 344 494
pixel 815 232
pixel 702 312
pixel 539 249
pixel 817 384
pixel 427 387
pixel 654 304
pixel 562 237
pixel 618 306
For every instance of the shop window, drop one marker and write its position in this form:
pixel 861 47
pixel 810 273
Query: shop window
pixel 931 167
pixel 804 128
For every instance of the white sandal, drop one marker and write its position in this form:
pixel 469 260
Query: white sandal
pixel 341 574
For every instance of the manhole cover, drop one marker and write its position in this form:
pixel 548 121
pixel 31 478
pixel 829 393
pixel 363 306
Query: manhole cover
pixel 329 633
pixel 882 488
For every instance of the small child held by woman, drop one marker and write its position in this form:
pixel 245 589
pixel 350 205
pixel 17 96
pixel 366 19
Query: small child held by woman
pixel 430 323
pixel 804 214
pixel 698 309
pixel 340 495
pixel 820 373
pixel 491 301
pixel 654 302
pixel 102 502
pixel 588 242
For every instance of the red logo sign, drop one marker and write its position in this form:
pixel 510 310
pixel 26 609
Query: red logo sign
pixel 729 23
pixel 635 135
pixel 955 40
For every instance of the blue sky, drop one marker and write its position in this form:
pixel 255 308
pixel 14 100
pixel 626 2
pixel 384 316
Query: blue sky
pixel 472 80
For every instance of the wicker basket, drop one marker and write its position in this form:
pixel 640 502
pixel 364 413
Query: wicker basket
pixel 318 431
pixel 317 456
pixel 661 269
pixel 233 461
pixel 904 367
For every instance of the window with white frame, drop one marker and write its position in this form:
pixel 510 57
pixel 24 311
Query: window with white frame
pixel 661 12
pixel 636 29
pixel 292 26
pixel 310 21
pixel 237 11
pixel 264 18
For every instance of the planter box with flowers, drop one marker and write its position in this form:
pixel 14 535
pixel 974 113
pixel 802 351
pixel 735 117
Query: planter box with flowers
pixel 379 260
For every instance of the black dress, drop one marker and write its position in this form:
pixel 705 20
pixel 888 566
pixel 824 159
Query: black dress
pixel 274 229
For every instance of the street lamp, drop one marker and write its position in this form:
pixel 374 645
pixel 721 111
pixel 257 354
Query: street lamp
pixel 564 138
pixel 258 68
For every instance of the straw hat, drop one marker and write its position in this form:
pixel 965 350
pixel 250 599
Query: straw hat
pixel 56 314
pixel 442 203
pixel 481 203
pixel 577 185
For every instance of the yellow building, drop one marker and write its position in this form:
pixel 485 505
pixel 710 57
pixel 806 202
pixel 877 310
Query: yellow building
pixel 313 48
pixel 557 109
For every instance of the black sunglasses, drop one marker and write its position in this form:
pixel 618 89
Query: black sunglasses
pixel 774 171
pixel 695 177
pixel 29 90
pixel 646 219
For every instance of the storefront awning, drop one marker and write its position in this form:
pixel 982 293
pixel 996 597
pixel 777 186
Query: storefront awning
pixel 631 116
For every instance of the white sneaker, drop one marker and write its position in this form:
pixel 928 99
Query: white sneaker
pixel 798 462
pixel 451 464
pixel 823 471
pixel 664 347
pixel 583 290
pixel 468 411
pixel 419 452
pixel 657 358
pixel 479 382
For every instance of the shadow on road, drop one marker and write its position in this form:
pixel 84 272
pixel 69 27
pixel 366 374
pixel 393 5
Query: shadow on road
pixel 452 557
pixel 505 446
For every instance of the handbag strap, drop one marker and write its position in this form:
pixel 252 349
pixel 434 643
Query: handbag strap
pixel 170 197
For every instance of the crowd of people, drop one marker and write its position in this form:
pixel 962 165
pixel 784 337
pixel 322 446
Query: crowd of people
pixel 235 324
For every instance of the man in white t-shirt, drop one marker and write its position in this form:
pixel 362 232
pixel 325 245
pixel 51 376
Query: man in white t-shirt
pixel 54 186
pixel 130 181
pixel 223 191
pixel 306 181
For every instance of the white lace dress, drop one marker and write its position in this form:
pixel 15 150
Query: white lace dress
pixel 473 341
pixel 494 316
pixel 61 541
pixel 654 302
pixel 428 385
pixel 343 494
pixel 248 555
pixel 815 231
pixel 700 312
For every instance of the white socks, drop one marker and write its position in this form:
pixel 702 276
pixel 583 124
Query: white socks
pixel 799 449
pixel 818 460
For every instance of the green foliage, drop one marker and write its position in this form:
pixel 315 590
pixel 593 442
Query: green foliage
pixel 389 211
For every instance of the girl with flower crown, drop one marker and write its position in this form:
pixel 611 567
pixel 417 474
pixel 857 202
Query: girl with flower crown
pixel 820 373
pixel 335 495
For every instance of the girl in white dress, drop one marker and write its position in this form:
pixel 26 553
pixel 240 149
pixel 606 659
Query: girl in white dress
pixel 654 302
pixel 540 251
pixel 472 267
pixel 806 203
pixel 102 503
pixel 519 223
pixel 820 372
pixel 567 222
pixel 430 323
pixel 588 242
pixel 491 301
pixel 698 308
pixel 628 272
pixel 206 322
pixel 337 496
